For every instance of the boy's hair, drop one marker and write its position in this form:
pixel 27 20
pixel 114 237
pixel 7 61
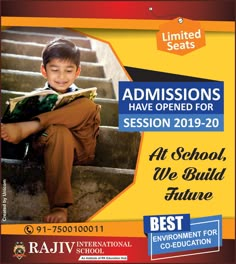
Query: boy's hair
pixel 62 49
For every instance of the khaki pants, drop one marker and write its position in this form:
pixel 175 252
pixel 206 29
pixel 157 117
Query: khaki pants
pixel 69 137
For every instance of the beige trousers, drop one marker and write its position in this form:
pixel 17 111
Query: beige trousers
pixel 69 137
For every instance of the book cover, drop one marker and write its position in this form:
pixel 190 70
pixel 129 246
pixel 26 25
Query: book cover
pixel 23 108
pixel 162 188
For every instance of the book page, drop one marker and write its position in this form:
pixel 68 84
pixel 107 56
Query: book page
pixel 66 98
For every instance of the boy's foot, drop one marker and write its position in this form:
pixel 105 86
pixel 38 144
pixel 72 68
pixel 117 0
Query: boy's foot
pixel 15 132
pixel 11 133
pixel 57 215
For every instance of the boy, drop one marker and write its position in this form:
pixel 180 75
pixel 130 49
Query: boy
pixel 65 136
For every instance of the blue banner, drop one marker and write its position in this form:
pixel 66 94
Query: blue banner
pixel 171 106
pixel 205 232
pixel 166 223
pixel 150 122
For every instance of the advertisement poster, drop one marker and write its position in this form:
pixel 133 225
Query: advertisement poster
pixel 161 187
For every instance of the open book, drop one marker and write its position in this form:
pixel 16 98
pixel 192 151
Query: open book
pixel 23 108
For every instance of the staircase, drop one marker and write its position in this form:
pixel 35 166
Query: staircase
pixel 116 152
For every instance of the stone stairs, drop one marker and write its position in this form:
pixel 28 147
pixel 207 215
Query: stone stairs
pixel 116 152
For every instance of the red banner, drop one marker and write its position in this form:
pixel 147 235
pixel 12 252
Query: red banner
pixel 154 10
pixel 54 249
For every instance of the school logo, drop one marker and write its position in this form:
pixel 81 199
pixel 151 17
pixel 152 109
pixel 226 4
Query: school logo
pixel 19 250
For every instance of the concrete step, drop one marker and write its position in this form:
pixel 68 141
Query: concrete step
pixel 114 149
pixel 14 80
pixel 50 30
pixel 117 149
pixel 42 38
pixel 93 187
pixel 35 49
pixel 109 111
pixel 32 63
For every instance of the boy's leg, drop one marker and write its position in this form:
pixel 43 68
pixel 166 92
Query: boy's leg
pixel 74 115
pixel 82 117
pixel 59 145
pixel 75 133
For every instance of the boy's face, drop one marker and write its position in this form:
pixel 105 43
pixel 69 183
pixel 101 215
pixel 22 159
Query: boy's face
pixel 60 74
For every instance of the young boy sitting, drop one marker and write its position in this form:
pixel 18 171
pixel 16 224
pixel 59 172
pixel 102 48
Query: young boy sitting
pixel 65 136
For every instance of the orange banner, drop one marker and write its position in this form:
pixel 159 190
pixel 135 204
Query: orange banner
pixel 98 229
pixel 180 36
pixel 107 23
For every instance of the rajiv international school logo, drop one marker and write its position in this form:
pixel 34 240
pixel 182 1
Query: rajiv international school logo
pixel 19 250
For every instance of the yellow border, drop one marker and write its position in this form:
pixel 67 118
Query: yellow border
pixel 107 23
pixel 128 228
